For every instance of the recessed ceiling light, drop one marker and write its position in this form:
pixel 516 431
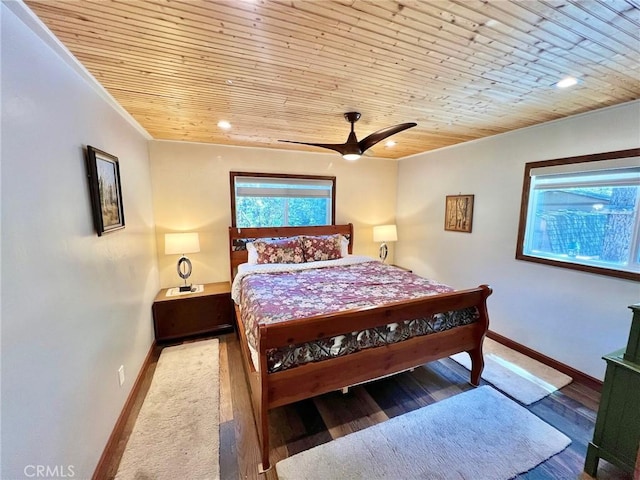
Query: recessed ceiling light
pixel 390 143
pixel 223 124
pixel 567 82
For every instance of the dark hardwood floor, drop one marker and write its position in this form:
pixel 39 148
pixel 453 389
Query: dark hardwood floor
pixel 303 425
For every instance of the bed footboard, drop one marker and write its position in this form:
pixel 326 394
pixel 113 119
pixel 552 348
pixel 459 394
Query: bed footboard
pixel 270 390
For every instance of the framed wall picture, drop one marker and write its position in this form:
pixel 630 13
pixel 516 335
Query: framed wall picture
pixel 106 193
pixel 458 213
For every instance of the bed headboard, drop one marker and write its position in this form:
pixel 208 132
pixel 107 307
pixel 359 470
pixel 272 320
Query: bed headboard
pixel 238 237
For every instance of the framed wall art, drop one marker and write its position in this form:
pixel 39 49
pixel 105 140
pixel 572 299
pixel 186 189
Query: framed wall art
pixel 458 213
pixel 105 190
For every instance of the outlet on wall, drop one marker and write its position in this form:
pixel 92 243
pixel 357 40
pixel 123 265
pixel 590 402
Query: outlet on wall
pixel 121 374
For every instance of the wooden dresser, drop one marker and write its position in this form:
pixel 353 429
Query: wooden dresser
pixel 617 432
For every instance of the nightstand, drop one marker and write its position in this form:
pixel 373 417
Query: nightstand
pixel 190 314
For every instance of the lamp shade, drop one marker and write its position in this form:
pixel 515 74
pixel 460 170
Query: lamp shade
pixel 385 233
pixel 179 243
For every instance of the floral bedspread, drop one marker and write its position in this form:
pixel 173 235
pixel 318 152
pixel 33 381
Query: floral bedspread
pixel 272 297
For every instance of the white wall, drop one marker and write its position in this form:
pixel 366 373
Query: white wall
pixel 74 306
pixel 571 316
pixel 191 192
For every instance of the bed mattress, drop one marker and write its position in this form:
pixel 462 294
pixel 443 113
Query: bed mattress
pixel 277 293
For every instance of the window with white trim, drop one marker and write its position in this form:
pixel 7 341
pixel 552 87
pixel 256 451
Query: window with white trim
pixel 273 200
pixel 583 213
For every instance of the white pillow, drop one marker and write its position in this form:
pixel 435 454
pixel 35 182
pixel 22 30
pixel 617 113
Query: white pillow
pixel 253 253
pixel 344 246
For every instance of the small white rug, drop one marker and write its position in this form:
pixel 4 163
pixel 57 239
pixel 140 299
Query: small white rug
pixel 517 375
pixel 176 434
pixel 478 434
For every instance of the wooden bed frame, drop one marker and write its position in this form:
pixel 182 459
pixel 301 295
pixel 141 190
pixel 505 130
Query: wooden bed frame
pixel 271 390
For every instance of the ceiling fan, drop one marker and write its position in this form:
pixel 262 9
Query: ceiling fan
pixel 352 149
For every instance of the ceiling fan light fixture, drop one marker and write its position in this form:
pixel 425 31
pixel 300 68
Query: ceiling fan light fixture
pixel 353 149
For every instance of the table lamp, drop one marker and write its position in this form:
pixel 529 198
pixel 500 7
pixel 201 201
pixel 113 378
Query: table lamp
pixel 384 233
pixel 181 244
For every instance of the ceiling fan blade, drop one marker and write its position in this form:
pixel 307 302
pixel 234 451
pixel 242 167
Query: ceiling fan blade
pixel 380 135
pixel 338 147
pixel 352 148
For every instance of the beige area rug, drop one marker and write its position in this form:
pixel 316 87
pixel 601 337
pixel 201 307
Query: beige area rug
pixel 176 434
pixel 517 375
pixel 478 434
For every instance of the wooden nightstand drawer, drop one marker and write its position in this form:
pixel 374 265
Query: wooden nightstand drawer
pixel 193 314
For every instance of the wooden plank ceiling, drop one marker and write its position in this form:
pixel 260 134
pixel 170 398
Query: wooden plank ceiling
pixel 461 69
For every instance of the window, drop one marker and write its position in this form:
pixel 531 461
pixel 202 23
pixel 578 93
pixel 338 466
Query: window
pixel 583 213
pixel 275 200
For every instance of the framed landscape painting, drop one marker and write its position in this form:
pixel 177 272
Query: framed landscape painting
pixel 106 193
pixel 458 213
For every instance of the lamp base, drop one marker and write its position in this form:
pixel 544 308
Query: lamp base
pixel 184 271
pixel 384 250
